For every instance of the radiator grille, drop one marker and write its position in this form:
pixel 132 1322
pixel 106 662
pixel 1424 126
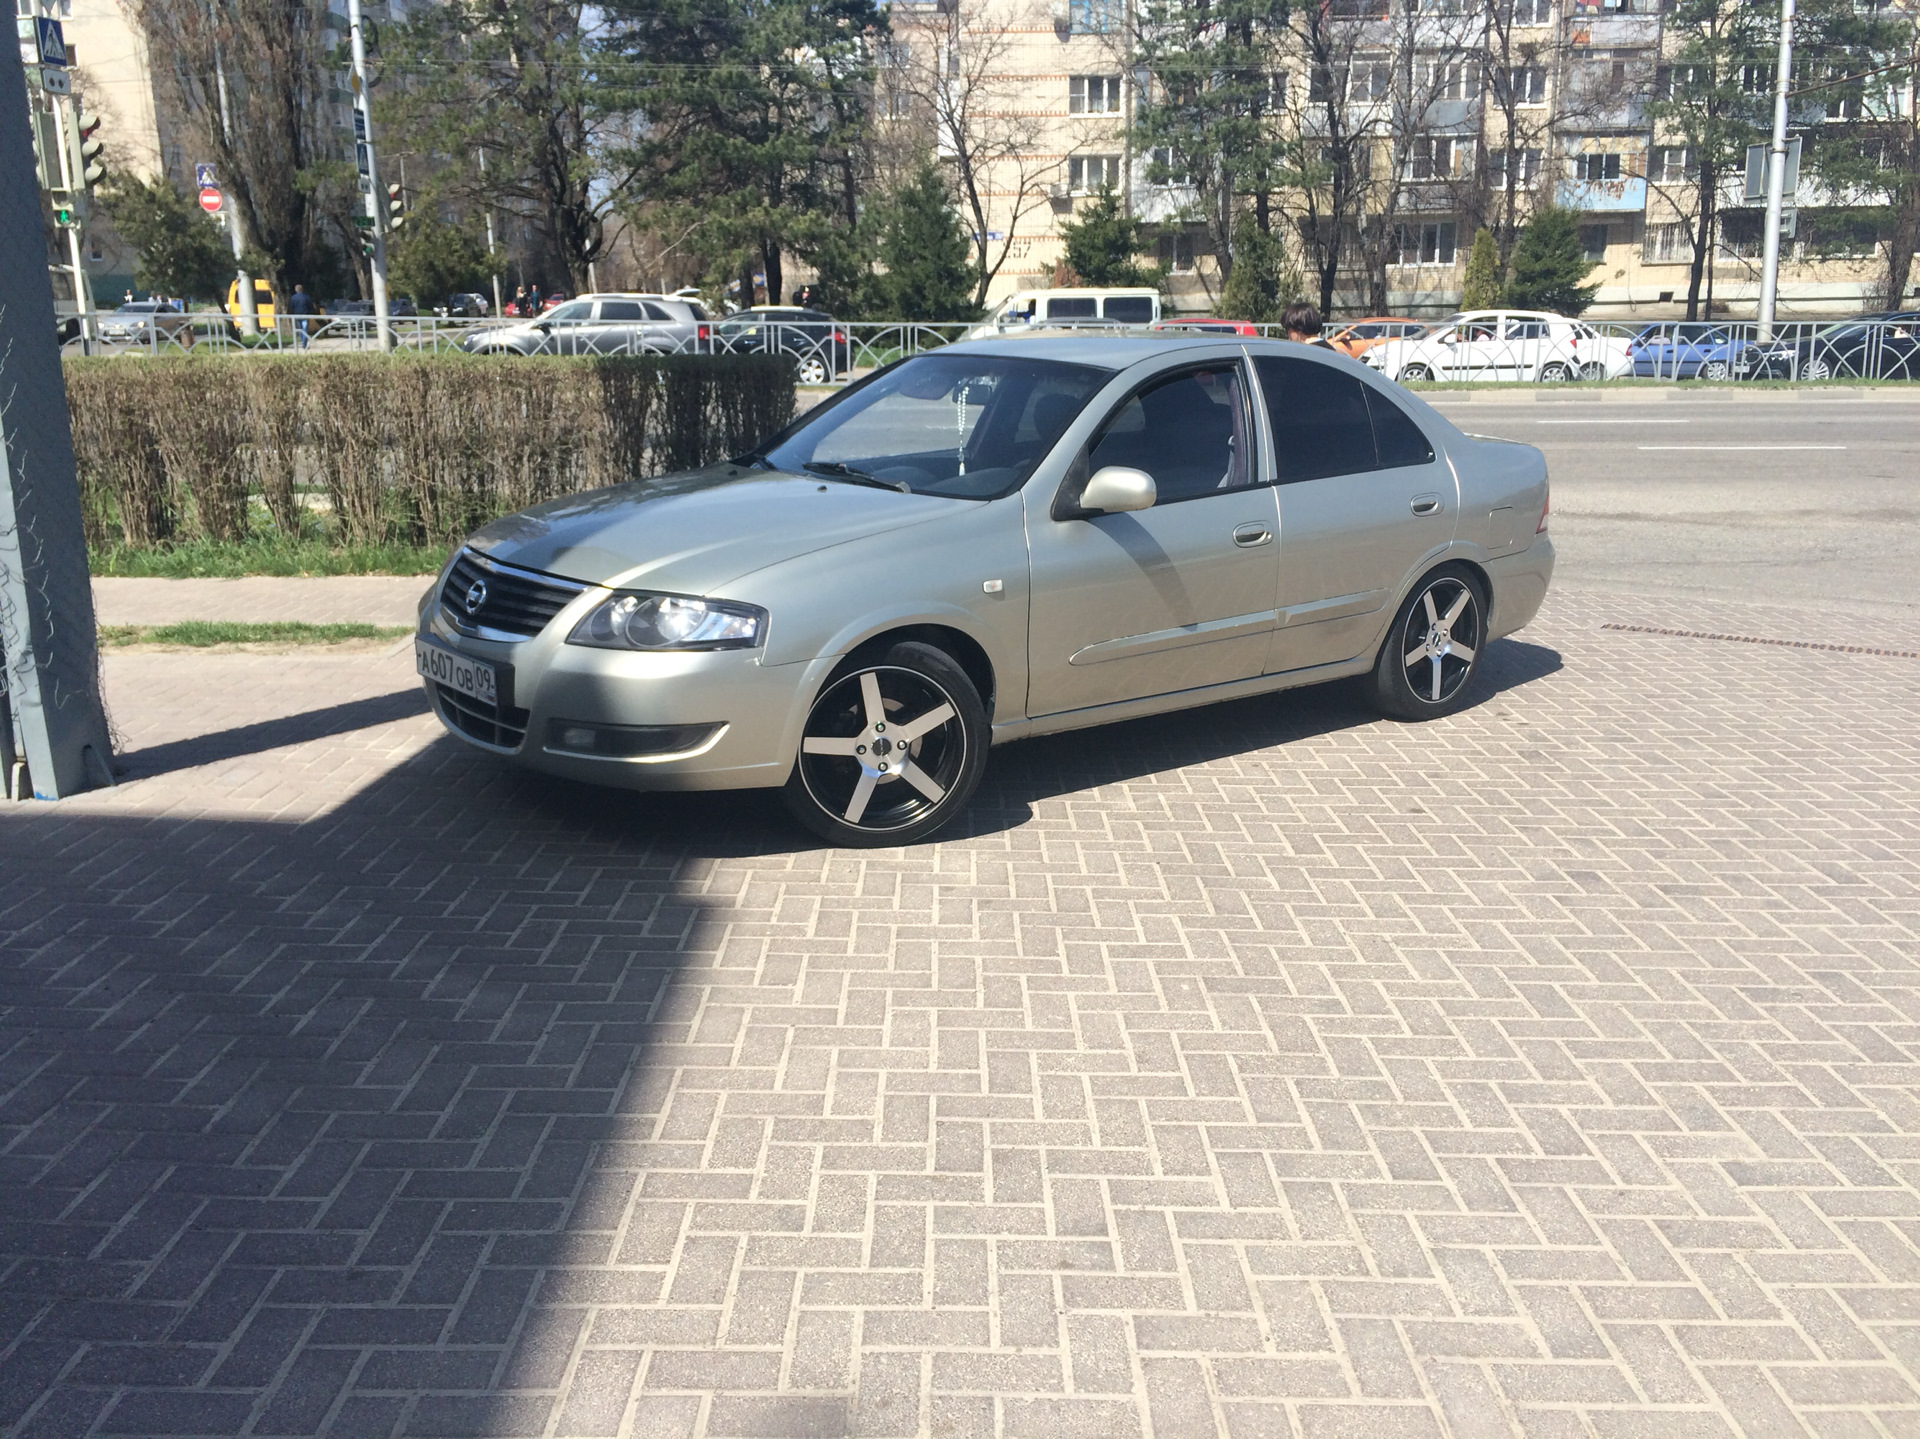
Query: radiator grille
pixel 511 601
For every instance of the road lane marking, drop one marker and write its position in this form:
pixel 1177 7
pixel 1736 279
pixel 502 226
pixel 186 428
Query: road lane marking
pixel 1740 447
pixel 1613 422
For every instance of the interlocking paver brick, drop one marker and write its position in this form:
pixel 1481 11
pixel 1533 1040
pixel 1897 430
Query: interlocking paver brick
pixel 1267 1069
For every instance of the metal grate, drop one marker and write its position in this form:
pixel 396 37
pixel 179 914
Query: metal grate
pixel 503 728
pixel 513 601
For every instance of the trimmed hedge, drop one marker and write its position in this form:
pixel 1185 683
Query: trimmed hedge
pixel 407 449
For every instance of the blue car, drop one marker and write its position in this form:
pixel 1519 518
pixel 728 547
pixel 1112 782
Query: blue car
pixel 1685 350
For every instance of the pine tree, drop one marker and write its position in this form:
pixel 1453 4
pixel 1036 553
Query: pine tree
pixel 1101 242
pixel 1549 264
pixel 930 274
pixel 1482 288
pixel 1263 281
pixel 181 251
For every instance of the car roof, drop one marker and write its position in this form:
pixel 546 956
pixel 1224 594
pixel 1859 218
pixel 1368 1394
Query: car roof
pixel 1116 351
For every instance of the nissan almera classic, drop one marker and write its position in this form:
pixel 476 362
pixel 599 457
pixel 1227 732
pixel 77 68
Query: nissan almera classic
pixel 997 540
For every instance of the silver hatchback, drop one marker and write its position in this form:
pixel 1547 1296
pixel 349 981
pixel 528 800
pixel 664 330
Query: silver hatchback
pixel 996 540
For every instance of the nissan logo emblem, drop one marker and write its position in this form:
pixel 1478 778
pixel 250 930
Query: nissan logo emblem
pixel 476 596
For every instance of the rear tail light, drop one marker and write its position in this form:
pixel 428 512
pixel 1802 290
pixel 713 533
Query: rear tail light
pixel 704 333
pixel 839 338
pixel 1545 505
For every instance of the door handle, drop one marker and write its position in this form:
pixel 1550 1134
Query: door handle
pixel 1249 535
pixel 1426 504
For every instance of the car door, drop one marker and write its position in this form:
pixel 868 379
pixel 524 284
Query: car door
pixel 1473 352
pixel 616 328
pixel 1364 501
pixel 1523 348
pixel 1174 597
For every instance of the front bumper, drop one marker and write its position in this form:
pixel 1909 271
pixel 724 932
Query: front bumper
pixel 741 718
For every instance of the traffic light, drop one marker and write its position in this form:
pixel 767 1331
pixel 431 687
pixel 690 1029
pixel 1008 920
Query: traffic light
pixel 364 225
pixel 93 160
pixel 63 216
pixel 396 208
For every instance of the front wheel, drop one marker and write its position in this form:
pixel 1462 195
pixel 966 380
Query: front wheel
pixel 1416 372
pixel 1433 649
pixel 1714 370
pixel 813 371
pixel 1555 374
pixel 1817 370
pixel 892 750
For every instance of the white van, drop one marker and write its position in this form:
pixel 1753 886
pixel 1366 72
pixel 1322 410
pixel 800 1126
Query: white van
pixel 1030 308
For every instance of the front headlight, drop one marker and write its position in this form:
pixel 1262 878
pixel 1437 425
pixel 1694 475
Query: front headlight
pixel 670 622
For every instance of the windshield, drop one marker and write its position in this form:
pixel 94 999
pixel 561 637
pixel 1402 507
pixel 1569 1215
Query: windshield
pixel 969 426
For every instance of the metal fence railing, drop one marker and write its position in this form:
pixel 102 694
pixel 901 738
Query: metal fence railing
pixel 828 352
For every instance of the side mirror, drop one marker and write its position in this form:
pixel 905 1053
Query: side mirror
pixel 1116 489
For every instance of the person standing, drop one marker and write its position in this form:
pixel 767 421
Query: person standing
pixel 300 306
pixel 517 306
pixel 1302 324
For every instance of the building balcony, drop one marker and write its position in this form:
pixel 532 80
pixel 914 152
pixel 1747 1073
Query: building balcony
pixel 1604 196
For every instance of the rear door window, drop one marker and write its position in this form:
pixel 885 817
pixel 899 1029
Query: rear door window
pixel 1077 308
pixel 1397 440
pixel 1129 309
pixel 628 310
pixel 1320 421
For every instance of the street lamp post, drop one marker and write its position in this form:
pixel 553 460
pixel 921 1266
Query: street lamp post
pixel 1776 175
pixel 363 104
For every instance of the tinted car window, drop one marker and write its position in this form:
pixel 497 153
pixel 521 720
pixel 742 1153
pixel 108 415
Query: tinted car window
pixel 577 310
pixel 1189 433
pixel 1071 309
pixel 622 310
pixel 1396 438
pixel 659 312
pixel 1129 309
pixel 969 426
pixel 1319 415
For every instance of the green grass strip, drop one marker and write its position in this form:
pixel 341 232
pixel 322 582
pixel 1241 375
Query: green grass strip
pixel 202 634
pixel 276 555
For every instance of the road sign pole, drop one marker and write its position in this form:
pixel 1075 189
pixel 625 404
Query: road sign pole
pixel 363 102
pixel 242 281
pixel 1776 175
pixel 46 607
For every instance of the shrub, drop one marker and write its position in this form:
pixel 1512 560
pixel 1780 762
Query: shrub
pixel 408 449
pixel 1549 264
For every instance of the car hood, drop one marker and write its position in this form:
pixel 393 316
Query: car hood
pixel 696 531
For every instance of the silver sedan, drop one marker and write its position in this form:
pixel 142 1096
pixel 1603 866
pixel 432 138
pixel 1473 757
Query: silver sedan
pixel 996 540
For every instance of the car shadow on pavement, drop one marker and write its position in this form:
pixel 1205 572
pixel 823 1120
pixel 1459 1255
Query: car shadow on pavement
pixel 250 739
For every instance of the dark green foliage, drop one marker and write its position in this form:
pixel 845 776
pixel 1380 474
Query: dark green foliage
pixel 1102 242
pixel 182 251
pixel 930 273
pixel 1264 282
pixel 1549 264
pixel 430 260
pixel 410 451
pixel 1481 290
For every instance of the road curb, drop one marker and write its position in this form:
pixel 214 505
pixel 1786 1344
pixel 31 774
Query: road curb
pixel 1729 395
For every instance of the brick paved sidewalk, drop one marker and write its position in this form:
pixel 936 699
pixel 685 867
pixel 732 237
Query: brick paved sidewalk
pixel 331 599
pixel 1263 1070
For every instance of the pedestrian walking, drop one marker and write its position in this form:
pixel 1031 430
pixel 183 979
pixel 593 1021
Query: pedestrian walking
pixel 300 306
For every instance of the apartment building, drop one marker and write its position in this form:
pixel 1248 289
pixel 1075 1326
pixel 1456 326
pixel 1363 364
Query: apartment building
pixel 1528 100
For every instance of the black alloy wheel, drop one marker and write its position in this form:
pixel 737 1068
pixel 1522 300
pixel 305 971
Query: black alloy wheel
pixel 892 749
pixel 1433 649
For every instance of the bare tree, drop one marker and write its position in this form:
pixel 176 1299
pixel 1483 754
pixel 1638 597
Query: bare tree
pixel 955 68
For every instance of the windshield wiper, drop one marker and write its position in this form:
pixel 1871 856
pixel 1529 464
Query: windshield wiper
pixel 834 470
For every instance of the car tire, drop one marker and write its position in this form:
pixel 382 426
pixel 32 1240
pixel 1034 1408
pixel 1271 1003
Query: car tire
pixel 1431 654
pixel 1417 373
pixel 848 785
pixel 1593 371
pixel 1714 370
pixel 1555 374
pixel 813 371
pixel 1817 370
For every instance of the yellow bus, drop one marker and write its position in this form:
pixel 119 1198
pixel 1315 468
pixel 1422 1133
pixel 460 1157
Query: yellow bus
pixel 262 300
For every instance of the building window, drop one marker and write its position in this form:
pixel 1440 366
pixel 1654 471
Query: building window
pixel 1671 82
pixel 1596 167
pixel 1092 17
pixel 1533 12
pixel 894 55
pixel 1740 233
pixel 1164 170
pixel 1431 243
pixel 1526 166
pixel 897 104
pixel 1087 173
pixel 1452 79
pixel 1093 95
pixel 1369 78
pixel 1667 244
pixel 1593 242
pixel 1524 85
pixel 1671 164
pixel 1756 79
pixel 1176 254
pixel 1439 157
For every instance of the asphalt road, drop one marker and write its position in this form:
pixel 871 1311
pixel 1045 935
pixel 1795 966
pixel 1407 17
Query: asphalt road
pixel 1795 502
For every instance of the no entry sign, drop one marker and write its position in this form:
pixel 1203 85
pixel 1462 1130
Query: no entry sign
pixel 210 199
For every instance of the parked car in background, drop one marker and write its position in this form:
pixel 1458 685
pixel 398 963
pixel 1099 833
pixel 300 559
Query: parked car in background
pixel 1686 350
pixel 1354 338
pixel 468 306
pixel 1504 345
pixel 613 324
pixel 984 543
pixel 1028 309
pixel 819 344
pixel 1203 325
pixel 262 300
pixel 142 322
pixel 1884 345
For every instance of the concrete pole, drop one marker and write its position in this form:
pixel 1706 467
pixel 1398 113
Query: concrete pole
pixel 376 197
pixel 1776 174
pixel 249 302
pixel 487 205
pixel 51 668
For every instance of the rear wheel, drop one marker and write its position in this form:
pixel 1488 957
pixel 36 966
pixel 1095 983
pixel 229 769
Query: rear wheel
pixel 1714 370
pixel 1555 374
pixel 892 750
pixel 1431 653
pixel 813 371
pixel 1593 371
pixel 1817 370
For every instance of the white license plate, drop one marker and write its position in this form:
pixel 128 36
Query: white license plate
pixel 472 678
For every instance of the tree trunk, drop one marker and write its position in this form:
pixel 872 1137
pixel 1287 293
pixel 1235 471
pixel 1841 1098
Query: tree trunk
pixel 1901 245
pixel 1702 244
